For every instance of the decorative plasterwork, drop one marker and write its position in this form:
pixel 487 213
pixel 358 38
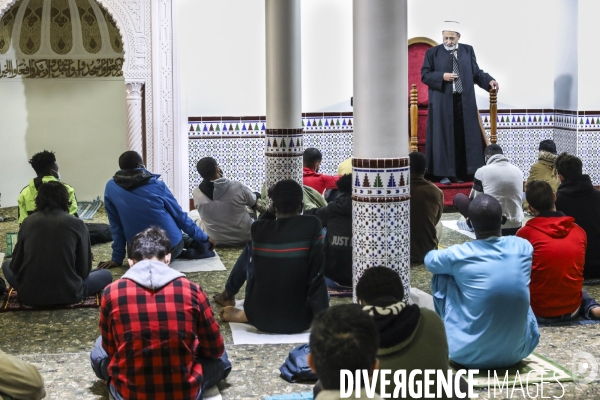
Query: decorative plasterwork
pixel 146 27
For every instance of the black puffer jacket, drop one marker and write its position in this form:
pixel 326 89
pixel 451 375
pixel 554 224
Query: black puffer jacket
pixel 337 218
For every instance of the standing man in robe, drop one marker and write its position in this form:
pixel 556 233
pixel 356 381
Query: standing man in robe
pixel 450 71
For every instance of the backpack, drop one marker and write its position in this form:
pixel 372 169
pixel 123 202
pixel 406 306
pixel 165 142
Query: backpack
pixel 295 368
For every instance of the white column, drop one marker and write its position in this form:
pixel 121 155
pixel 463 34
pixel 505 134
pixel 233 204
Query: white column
pixel 134 116
pixel 381 207
pixel 283 142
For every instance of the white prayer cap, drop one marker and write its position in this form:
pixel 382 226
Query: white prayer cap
pixel 452 26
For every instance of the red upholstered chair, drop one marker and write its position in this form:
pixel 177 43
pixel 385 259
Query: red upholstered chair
pixel 416 53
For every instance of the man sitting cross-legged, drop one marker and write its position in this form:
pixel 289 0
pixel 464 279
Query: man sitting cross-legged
pixel 559 246
pixel 336 217
pixel 481 291
pixel 410 337
pixel 343 338
pixel 135 199
pixel 52 260
pixel 45 166
pixel 159 338
pixel 501 180
pixel 577 198
pixel 222 204
pixel 283 267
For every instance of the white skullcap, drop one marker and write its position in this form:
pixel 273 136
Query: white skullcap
pixel 452 26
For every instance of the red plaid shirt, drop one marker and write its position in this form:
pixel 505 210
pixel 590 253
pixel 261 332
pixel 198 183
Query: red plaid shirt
pixel 152 336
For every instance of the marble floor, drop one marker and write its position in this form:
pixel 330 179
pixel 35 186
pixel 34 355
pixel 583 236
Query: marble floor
pixel 58 342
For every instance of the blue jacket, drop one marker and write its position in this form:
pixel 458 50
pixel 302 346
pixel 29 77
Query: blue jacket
pixel 481 292
pixel 136 200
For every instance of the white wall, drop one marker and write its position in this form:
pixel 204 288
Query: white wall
pixel 565 41
pixel 82 121
pixel 222 56
pixel 526 45
pixel 512 39
pixel 589 58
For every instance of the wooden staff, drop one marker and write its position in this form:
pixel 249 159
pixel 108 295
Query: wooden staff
pixel 414 119
pixel 493 116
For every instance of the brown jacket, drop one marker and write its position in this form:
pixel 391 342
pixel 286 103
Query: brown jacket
pixel 426 207
pixel 543 170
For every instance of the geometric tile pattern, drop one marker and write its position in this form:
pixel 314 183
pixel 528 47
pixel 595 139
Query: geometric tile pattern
pixel 381 218
pixel 280 168
pixel 239 143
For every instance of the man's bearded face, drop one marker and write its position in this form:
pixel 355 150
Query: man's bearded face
pixel 450 39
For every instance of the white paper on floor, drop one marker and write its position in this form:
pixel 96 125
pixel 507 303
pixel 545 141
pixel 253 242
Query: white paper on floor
pixel 452 225
pixel 420 298
pixel 212 394
pixel 203 265
pixel 247 334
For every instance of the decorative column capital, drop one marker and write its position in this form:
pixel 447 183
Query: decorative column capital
pixel 134 90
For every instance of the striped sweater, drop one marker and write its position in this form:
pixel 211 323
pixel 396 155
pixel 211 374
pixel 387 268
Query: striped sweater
pixel 287 286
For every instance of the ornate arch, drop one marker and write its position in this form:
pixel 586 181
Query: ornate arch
pixel 146 27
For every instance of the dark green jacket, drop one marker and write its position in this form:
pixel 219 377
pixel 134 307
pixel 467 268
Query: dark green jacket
pixel 426 348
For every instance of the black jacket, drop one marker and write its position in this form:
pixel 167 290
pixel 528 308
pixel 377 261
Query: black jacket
pixel 52 258
pixel 577 198
pixel 337 218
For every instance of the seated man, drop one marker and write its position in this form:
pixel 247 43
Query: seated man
pixel 410 337
pixel 577 198
pixel 135 200
pixel 283 267
pixel 342 338
pixel 45 166
pixel 501 180
pixel 52 260
pixel 426 207
pixel 545 168
pixel 481 291
pixel 222 204
pixel 336 217
pixel 19 380
pixel 559 245
pixel 311 160
pixel 159 338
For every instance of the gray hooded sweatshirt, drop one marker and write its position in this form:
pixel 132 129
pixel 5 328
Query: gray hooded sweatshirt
pixel 225 217
pixel 152 274
pixel 504 182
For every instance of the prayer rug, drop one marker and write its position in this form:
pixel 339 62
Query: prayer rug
pixel 87 209
pixel 12 303
pixel 202 265
pixel 339 292
pixel 532 369
pixel 248 334
pixel 11 241
pixel 452 225
pixel 291 396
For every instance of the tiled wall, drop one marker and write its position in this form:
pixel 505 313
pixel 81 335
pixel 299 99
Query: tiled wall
pixel 237 143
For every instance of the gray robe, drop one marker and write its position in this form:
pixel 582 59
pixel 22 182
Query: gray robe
pixel 439 148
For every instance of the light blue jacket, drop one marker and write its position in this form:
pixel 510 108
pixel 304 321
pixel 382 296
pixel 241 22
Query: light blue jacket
pixel 481 292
